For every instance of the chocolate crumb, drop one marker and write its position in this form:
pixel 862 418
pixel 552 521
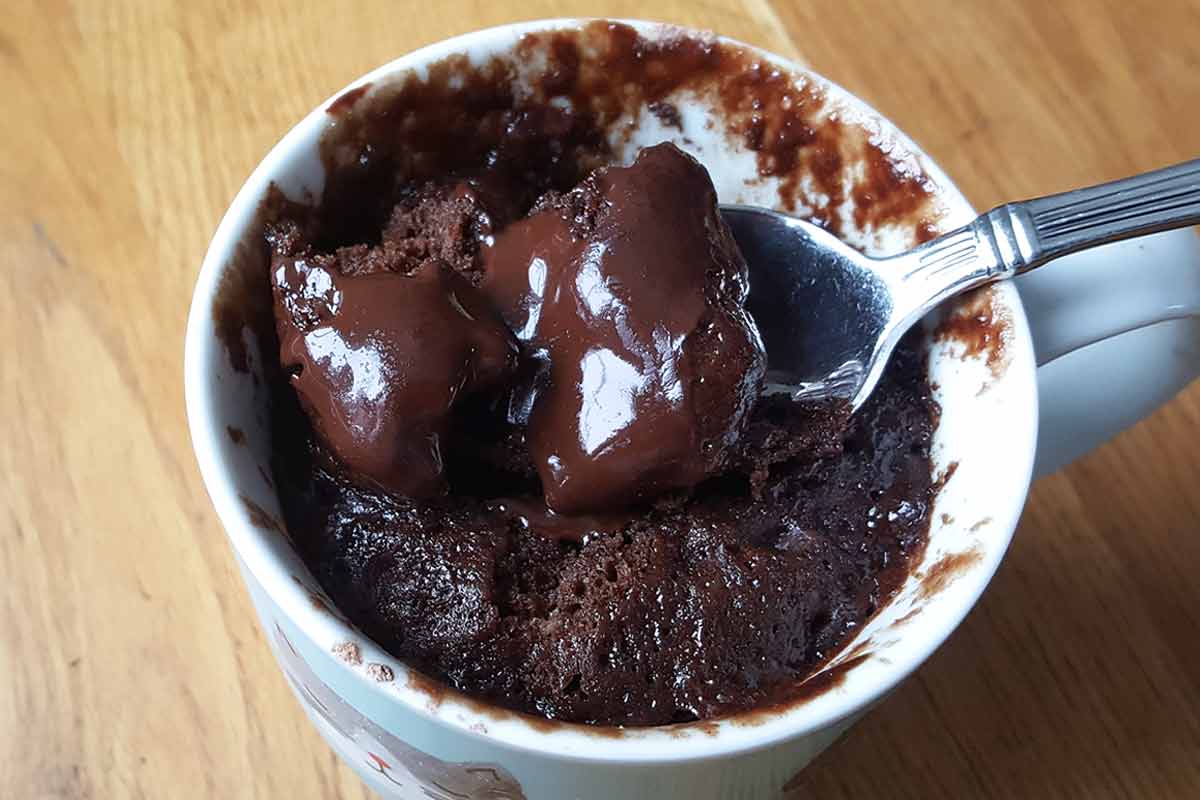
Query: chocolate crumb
pixel 349 652
pixel 381 672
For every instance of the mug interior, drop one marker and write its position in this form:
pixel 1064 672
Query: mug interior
pixel 981 369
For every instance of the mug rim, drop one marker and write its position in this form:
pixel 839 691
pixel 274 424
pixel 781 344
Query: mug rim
pixel 657 744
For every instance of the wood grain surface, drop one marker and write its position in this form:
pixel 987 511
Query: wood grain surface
pixel 130 663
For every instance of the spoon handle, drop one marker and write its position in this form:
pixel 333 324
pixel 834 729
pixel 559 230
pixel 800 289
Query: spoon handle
pixel 1017 237
pixel 1059 224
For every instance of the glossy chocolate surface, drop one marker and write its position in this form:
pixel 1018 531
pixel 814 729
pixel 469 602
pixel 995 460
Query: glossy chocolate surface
pixel 631 290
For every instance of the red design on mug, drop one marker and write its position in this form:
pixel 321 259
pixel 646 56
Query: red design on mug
pixel 415 774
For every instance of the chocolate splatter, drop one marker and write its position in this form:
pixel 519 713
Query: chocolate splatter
pixel 261 518
pixel 945 571
pixel 939 483
pixel 981 328
pixel 667 113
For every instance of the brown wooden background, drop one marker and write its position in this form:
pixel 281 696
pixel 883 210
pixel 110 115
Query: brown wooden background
pixel 130 665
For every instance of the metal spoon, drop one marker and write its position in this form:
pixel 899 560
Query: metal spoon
pixel 830 316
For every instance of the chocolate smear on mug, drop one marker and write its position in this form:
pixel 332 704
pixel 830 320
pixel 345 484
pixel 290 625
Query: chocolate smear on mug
pixel 981 329
pixel 346 100
pixel 241 306
pixel 237 308
pixel 887 192
pixel 318 601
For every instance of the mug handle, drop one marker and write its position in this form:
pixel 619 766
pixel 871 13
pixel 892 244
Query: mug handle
pixel 1103 361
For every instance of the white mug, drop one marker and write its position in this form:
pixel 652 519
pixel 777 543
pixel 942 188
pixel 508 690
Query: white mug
pixel 409 739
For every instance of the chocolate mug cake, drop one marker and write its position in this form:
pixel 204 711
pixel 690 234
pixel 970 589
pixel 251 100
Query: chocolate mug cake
pixel 519 428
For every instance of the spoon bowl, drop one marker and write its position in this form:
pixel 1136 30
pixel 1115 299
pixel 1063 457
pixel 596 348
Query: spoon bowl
pixel 831 316
pixel 822 314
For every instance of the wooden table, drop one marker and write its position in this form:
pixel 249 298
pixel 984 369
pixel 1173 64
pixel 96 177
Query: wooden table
pixel 131 663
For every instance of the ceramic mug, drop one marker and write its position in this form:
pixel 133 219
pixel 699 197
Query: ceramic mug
pixel 408 738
